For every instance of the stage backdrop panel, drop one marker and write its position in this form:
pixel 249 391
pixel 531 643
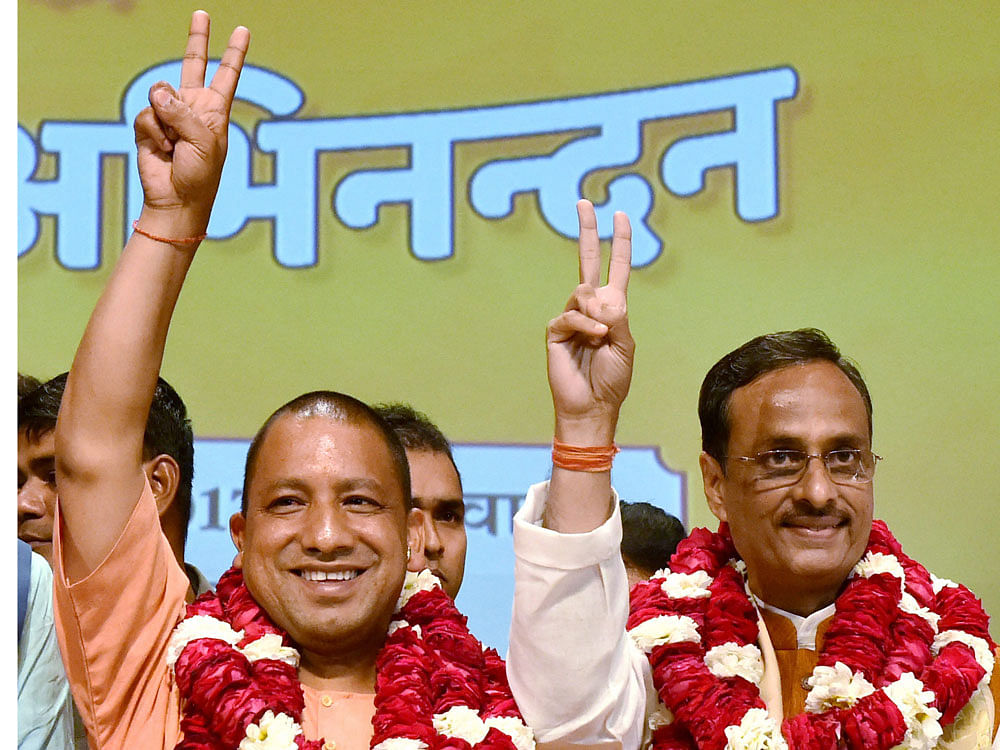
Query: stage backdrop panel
pixel 396 221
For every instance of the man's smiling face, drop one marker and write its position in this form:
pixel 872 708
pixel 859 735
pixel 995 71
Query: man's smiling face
pixel 323 544
pixel 804 538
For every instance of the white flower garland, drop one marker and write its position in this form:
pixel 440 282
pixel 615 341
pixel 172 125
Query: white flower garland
pixel 830 687
pixel 756 731
pixel 664 629
pixel 279 731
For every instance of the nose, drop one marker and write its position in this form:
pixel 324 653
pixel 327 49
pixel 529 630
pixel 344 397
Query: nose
pixel 816 487
pixel 31 500
pixel 326 530
pixel 433 546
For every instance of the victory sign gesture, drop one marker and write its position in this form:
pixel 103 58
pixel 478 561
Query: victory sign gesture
pixel 182 136
pixel 590 352
pixel 181 140
pixel 590 348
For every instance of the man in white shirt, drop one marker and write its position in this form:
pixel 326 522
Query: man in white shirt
pixel 799 601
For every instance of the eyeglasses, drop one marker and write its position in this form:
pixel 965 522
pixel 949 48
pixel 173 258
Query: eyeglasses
pixel 784 467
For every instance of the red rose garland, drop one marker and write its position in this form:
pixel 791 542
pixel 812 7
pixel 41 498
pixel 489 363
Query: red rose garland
pixel 436 687
pixel 898 638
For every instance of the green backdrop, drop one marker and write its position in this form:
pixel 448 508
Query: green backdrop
pixel 886 236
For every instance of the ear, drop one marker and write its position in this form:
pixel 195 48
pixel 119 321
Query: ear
pixel 415 521
pixel 164 476
pixel 237 527
pixel 713 479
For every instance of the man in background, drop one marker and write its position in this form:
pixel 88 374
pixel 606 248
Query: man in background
pixel 649 537
pixel 437 490
pixel 168 460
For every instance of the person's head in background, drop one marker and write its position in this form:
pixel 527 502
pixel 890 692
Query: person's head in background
pixel 649 537
pixel 168 459
pixel 437 490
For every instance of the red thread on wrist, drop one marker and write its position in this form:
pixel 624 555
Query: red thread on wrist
pixel 168 240
pixel 583 458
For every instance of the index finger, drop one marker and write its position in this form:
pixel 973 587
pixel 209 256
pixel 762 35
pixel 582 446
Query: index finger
pixel 620 265
pixel 196 52
pixel 228 75
pixel 590 244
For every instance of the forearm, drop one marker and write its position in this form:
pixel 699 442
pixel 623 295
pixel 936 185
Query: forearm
pixel 575 676
pixel 99 434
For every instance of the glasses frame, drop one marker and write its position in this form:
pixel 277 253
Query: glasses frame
pixel 788 481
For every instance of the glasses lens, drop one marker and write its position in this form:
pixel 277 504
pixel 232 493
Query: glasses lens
pixel 779 468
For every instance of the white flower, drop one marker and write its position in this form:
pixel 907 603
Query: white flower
pixel 661 717
pixel 661 573
pixel 756 731
pixel 461 722
pixel 199 626
pixel 687 585
pixel 269 646
pixel 271 733
pixel 910 605
pixel 738 565
pixel 414 582
pixel 400 743
pixel 836 687
pixel 664 629
pixel 400 624
pixel 519 732
pixel 875 563
pixel 730 660
pixel 941 583
pixel 982 650
pixel 913 702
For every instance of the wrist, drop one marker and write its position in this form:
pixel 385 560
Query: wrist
pixel 174 222
pixel 586 430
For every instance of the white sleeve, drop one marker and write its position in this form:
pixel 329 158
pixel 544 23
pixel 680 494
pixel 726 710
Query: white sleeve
pixel 576 675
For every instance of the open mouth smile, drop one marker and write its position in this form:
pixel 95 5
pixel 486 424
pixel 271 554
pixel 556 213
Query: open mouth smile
pixel 329 575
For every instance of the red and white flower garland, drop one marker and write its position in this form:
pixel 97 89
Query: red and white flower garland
pixel 436 687
pixel 903 655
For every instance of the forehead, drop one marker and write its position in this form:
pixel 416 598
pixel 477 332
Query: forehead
pixel 320 452
pixel 432 475
pixel 43 446
pixel 814 405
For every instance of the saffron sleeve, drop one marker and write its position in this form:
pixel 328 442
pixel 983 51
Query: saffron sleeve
pixel 576 675
pixel 114 627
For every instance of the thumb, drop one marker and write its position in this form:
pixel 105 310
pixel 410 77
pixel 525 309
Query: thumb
pixel 179 117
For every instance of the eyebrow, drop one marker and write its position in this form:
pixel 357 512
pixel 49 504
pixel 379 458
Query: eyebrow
pixel 795 441
pixel 450 502
pixel 346 485
pixel 42 462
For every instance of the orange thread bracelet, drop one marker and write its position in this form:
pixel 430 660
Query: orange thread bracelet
pixel 581 458
pixel 168 240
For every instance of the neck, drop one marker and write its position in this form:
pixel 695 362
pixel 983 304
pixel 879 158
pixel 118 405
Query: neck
pixel 351 673
pixel 798 602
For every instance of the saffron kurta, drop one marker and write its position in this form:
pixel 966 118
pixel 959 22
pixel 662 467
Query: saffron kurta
pixel 114 627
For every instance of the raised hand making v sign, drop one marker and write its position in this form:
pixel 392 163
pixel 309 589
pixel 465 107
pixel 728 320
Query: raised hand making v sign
pixel 181 140
pixel 116 602
pixel 590 352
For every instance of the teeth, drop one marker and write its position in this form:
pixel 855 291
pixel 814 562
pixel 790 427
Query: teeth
pixel 322 575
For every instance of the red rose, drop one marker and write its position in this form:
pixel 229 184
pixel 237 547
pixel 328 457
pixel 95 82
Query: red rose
pixel 496 740
pixel 952 677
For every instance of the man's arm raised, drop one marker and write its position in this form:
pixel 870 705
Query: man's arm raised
pixel 590 352
pixel 181 143
pixel 576 677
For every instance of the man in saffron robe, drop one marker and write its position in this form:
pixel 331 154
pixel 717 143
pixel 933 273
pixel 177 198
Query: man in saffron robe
pixel 787 465
pixel 287 652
